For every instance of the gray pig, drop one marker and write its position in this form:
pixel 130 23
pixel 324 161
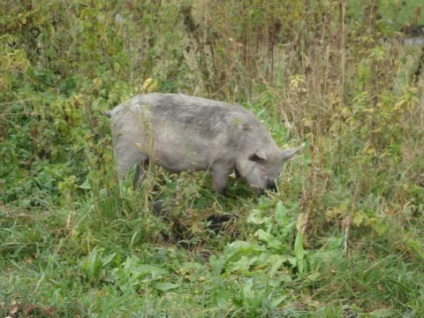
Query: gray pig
pixel 180 133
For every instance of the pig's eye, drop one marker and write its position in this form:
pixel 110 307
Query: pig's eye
pixel 256 158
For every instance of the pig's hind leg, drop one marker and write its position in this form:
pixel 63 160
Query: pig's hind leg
pixel 140 170
pixel 130 159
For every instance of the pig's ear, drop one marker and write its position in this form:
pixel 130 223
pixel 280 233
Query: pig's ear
pixel 287 154
pixel 258 156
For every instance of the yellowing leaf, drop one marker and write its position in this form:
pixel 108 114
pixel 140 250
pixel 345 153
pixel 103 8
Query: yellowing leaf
pixel 358 218
pixel 149 85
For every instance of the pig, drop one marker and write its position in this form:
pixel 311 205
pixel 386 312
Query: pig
pixel 186 133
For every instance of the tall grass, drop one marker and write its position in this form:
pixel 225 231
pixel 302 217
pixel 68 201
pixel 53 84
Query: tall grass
pixel 344 233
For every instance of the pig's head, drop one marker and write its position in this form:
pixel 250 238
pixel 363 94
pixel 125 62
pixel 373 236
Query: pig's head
pixel 261 168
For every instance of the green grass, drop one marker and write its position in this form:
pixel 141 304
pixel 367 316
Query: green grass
pixel 107 255
pixel 344 232
pixel 104 253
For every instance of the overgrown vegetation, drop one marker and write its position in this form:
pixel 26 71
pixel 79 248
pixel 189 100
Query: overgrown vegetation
pixel 342 238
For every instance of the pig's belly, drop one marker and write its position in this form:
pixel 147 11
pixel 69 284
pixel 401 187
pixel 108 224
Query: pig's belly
pixel 182 159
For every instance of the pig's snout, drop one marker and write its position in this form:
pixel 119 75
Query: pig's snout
pixel 270 185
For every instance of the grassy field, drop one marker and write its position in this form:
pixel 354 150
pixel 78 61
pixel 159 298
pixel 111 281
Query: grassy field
pixel 343 236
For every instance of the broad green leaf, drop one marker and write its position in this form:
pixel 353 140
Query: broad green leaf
pixel 166 286
pixel 276 262
pixel 86 185
pixel 145 269
pixel 264 236
pixel 256 217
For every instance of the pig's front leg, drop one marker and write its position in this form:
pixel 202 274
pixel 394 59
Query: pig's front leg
pixel 220 175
